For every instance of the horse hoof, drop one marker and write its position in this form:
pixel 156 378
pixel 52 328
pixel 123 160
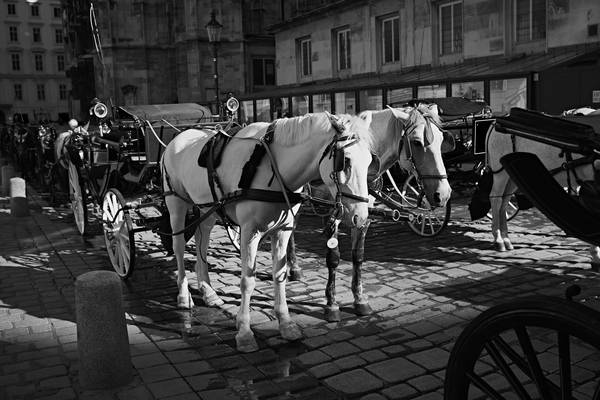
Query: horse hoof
pixel 209 296
pixel 332 314
pixel 290 331
pixel 595 266
pixel 508 246
pixel 363 309
pixel 500 246
pixel 295 275
pixel 246 342
pixel 185 301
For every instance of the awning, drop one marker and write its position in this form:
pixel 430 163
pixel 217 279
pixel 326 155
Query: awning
pixel 474 69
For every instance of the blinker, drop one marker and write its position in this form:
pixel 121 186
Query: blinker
pixel 339 162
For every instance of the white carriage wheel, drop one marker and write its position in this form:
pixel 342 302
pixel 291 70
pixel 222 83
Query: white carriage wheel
pixel 233 231
pixel 427 221
pixel 118 233
pixel 77 198
pixel 512 208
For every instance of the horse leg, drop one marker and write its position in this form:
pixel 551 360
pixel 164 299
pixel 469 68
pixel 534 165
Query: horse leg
pixel 202 237
pixel 288 328
pixel 177 211
pixel 295 270
pixel 361 302
pixel 498 209
pixel 332 259
pixel 595 253
pixel 510 188
pixel 249 240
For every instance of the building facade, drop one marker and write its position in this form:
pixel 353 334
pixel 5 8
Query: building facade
pixel 352 55
pixel 156 51
pixel 33 83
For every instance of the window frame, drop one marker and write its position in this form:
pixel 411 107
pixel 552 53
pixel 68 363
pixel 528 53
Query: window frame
pixel 62 91
pixel 59 36
pixel 54 12
pixel 263 68
pixel 18 91
pixel 395 46
pixel 38 62
pixel 60 62
pixel 530 23
pixel 36 34
pixel 13 29
pixel 11 9
pixel 453 49
pixel 41 91
pixel 301 46
pixel 15 60
pixel 348 53
pixel 35 10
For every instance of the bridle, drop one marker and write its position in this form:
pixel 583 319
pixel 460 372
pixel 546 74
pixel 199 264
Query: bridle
pixel 428 133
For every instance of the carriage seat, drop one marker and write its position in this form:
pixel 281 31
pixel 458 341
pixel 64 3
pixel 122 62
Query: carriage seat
pixel 567 212
pixel 556 131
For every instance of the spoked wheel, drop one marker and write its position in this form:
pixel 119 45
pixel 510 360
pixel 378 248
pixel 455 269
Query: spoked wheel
pixel 233 231
pixel 118 233
pixel 427 221
pixel 535 348
pixel 512 208
pixel 78 199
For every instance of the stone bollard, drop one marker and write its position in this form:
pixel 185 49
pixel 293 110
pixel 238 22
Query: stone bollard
pixel 6 172
pixel 18 198
pixel 102 339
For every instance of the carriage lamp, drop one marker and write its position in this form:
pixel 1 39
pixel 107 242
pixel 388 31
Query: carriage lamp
pixel 214 28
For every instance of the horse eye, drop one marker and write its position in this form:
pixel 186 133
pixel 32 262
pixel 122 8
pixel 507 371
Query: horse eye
pixel 417 142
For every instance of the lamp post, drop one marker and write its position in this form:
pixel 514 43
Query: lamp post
pixel 213 27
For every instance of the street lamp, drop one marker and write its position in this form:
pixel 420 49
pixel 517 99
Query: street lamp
pixel 213 27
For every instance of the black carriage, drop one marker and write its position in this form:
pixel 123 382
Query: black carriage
pixel 114 167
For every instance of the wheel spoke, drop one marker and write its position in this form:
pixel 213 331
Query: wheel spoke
pixel 484 386
pixel 535 369
pixel 564 357
pixel 493 351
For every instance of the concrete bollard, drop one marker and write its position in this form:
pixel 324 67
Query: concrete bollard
pixel 18 198
pixel 6 172
pixel 102 339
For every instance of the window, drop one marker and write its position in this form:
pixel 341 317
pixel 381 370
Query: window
pixel 321 102
pixel 35 11
pixel 390 38
pixel 62 91
pixel 263 110
pixel 397 97
pixel 39 62
pixel 13 33
pixel 343 49
pixel 18 91
pixel 56 12
pixel 263 70
pixel 60 62
pixel 508 93
pixel 41 92
pixel 345 103
pixel 58 36
pixel 16 62
pixel 451 27
pixel 370 99
pixel 468 90
pixel 305 58
pixel 247 112
pixel 11 9
pixel 37 35
pixel 299 105
pixel 431 91
pixel 530 20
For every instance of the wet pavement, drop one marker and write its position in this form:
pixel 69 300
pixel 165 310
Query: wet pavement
pixel 423 292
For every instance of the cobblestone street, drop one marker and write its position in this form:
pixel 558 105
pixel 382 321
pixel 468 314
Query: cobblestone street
pixel 423 292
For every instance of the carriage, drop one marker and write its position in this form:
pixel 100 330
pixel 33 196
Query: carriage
pixel 113 170
pixel 498 355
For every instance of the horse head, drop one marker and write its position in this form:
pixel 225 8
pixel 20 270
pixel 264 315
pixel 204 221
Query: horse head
pixel 423 145
pixel 345 165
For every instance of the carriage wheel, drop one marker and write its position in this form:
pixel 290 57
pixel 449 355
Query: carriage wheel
pixel 233 231
pixel 77 198
pixel 512 208
pixel 118 233
pixel 526 349
pixel 427 221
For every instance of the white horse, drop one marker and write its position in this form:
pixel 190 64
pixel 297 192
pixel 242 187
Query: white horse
pixel 303 149
pixel 412 137
pixel 499 144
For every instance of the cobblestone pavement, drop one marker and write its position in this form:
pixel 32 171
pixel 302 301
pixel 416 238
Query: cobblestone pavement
pixel 423 291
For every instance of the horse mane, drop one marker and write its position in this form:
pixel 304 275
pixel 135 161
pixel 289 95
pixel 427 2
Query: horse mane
pixel 297 130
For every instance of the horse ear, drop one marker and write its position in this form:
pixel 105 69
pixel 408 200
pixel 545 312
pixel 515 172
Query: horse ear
pixel 337 122
pixel 398 113
pixel 448 144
